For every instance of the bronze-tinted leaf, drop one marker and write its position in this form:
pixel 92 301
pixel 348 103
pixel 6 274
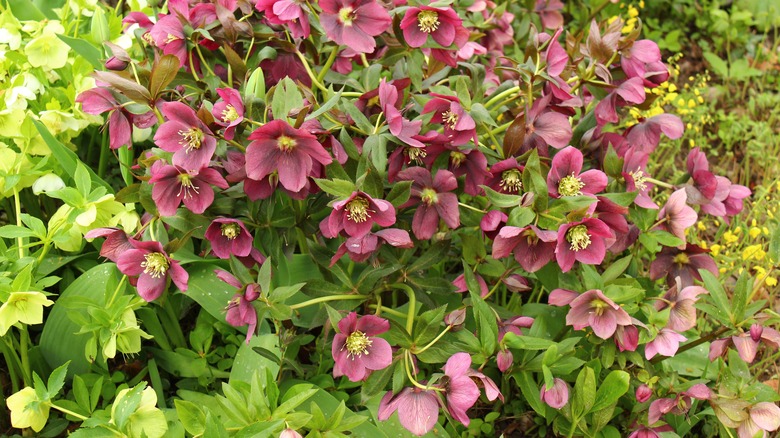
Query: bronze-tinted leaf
pixel 164 72
pixel 514 136
pixel 129 88
pixel 236 64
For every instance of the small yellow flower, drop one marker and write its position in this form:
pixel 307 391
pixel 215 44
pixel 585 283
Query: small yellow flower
pixel 771 281
pixel 700 225
pixel 27 410
pixel 754 231
pixel 730 237
pixel 754 252
pixel 715 249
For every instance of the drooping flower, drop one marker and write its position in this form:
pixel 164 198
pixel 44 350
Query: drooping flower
pixel 441 24
pixel 680 301
pixel 149 267
pixel 650 432
pixel 434 199
pixel 168 35
pixel 636 59
pixel 390 98
pixel 228 112
pixel 746 343
pixel 357 350
pixel 290 433
pixel 459 126
pixel 762 417
pixel 513 325
pixel 504 360
pixel 470 162
pixel 685 264
pixel 277 147
pixel 643 393
pixel 27 410
pixel 115 244
pixel 229 237
pixel 557 396
pixel 627 337
pixel 120 121
pixel 356 215
pixel 582 241
pixel 678 405
pixel 461 391
pixel 460 283
pixel 543 127
pixel 567 179
pixel 631 91
pixel 665 343
pixel 240 311
pixel 354 23
pixel 25 307
pixel 173 185
pixel 595 310
pixel 704 182
pixel 532 247
pixel 191 141
pixel 418 409
pixel 290 13
pixel 492 222
pixel 677 216
pixel 647 133
pixel 361 248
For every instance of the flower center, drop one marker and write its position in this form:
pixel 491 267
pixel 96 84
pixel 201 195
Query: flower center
pixel 357 344
pixel 639 179
pixel 457 158
pixel 286 143
pixel 511 181
pixel 186 185
pixel 570 185
pixel 415 154
pixel 428 21
pixel 578 237
pixel 191 138
pixel 231 230
pixel 170 38
pixel 229 114
pixel 682 259
pixel 346 15
pixel 357 210
pixel 156 264
pixel 449 118
pixel 598 307
pixel 429 196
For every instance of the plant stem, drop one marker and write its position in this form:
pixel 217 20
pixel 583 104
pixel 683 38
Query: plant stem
pixel 326 299
pixel 471 208
pixel 500 96
pixel 68 412
pixel 311 74
pixel 326 68
pixel 412 305
pixel 407 360
pixel 501 128
pixel 659 183
pixel 24 341
pixel 393 312
pixel 18 208
pixel 430 344
pixel 12 361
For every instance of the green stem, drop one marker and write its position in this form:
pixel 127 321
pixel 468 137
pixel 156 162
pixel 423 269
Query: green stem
pixel 326 68
pixel 24 341
pixel 18 208
pixel 105 153
pixel 433 342
pixel 171 323
pixel 116 291
pixel 326 299
pixel 500 96
pixel 501 128
pixel 68 411
pixel 659 183
pixel 471 208
pixel 407 360
pixel 412 304
pixel 311 74
pixel 393 312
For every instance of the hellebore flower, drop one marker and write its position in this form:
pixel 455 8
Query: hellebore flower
pixel 627 337
pixel 544 127
pixel 459 126
pixel 763 417
pixel 460 283
pixel 190 140
pixel 746 343
pixel 513 325
pixel 24 307
pixel 506 176
pixel 27 410
pixel 228 112
pixel 634 164
pixel 685 264
pixel 665 343
pixel 278 147
pixel 704 182
pixel 289 433
pixel 356 215
pixel 504 360
pixel 120 121
pixel 461 391
pixel 533 248
pixel 434 199
pixel 643 393
pixel 361 248
pixel 680 301
pixel 390 98
pixel 469 162
pixel 173 185
pixel 354 23
pixel 647 133
pixel 441 24
pixel 356 349
pixel 492 222
pixel 557 396
pixel 240 311
pixel 149 267
pixel 229 237
pixel 582 241
pixel 650 432
pixel 168 35
pixel 115 244
pixel 593 309
pixel 677 216
pixel 634 60
pixel 418 409
pixel 631 91
pixel 288 13
pixel 565 178
pixel 678 405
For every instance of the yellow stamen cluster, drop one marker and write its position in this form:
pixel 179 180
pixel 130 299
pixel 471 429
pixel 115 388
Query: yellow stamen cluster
pixel 416 154
pixel 187 185
pixel 155 264
pixel 570 185
pixel 429 196
pixel 578 237
pixel 231 230
pixel 640 179
pixel 457 158
pixel 357 210
pixel 357 344
pixel 428 21
pixel 229 114
pixel 286 143
pixel 346 15
pixel 191 138
pixel 511 181
pixel 449 118
pixel 598 307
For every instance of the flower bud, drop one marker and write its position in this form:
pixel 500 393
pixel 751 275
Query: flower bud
pixel 99 27
pixel 527 199
pixel 255 86
pixel 504 360
pixel 557 396
pixel 456 318
pixel 289 433
pixel 47 183
pixel 756 330
pixel 252 292
pixel 517 283
pixel 115 64
pixel 643 393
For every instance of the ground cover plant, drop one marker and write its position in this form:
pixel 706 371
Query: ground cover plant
pixel 368 218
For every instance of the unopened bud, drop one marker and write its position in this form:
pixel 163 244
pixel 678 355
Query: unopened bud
pixel 456 318
pixel 504 360
pixel 289 433
pixel 756 330
pixel 527 199
pixel 252 292
pixel 643 393
pixel 255 86
pixel 517 283
pixel 99 27
pixel 47 183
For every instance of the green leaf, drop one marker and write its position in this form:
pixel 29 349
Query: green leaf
pixel 530 391
pixel 377 381
pixel 741 294
pixel 399 193
pixel 286 98
pixel 375 147
pixel 191 416
pixel 616 269
pixel 128 404
pixel 501 200
pixel 623 199
pixel 358 117
pixel 716 292
pixel 14 231
pixel 428 325
pixel 774 248
pixel 719 66
pixel 57 379
pixel 85 49
pixel 81 394
pixel 327 106
pixel 613 164
pixel 520 217
pixel 526 342
pixel 534 182
pixel 82 180
pixel 487 327
pixel 584 392
pixel 337 187
pixel 214 427
pixel 611 389
pixel 301 393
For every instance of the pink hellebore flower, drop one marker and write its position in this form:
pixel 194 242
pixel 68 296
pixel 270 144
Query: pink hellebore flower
pixel 582 241
pixel 506 176
pixel 470 162
pixel 643 393
pixel 354 23
pixel 704 182
pixel 532 247
pixel 173 185
pixel 356 215
pixel 647 133
pixel 635 176
pixel 685 264
pixel 289 433
pixel 116 242
pixel 120 121
pixel 390 99
pixel 228 112
pixel 627 337
pixel 149 267
pixel 418 409
pixel 434 198
pixel 492 222
pixel 639 58
pixel 168 35
pixel 631 91
pixel 513 325
pixel 361 248
pixel 460 283
pixel 665 343
pixel 278 147
pixel 462 392
pixel 544 127
pixel 229 237
pixel 680 301
pixel 746 343
pixel 650 432
pixel 289 13
pixel 557 396
pixel 567 179
pixel 190 140
pixel 550 13
pixel 441 24
pixel 240 311
pixel 593 309
pixel 459 126
pixel 504 360
pixel 356 349
pixel 762 417
pixel 678 405
pixel 677 216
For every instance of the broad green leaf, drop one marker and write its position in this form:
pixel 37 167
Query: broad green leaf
pixel 164 72
pixel 526 342
pixel 501 200
pixel 126 405
pixel 286 98
pixel 530 391
pixel 716 292
pixel 337 187
pixel 85 49
pixel 487 327
pixel 584 392
pixel 399 193
pixel 611 389
pixel 191 416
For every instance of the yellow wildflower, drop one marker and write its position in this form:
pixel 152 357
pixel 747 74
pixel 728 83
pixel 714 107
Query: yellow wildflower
pixel 754 252
pixel 771 281
pixel 715 249
pixel 754 231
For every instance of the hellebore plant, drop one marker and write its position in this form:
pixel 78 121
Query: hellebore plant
pixel 479 172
